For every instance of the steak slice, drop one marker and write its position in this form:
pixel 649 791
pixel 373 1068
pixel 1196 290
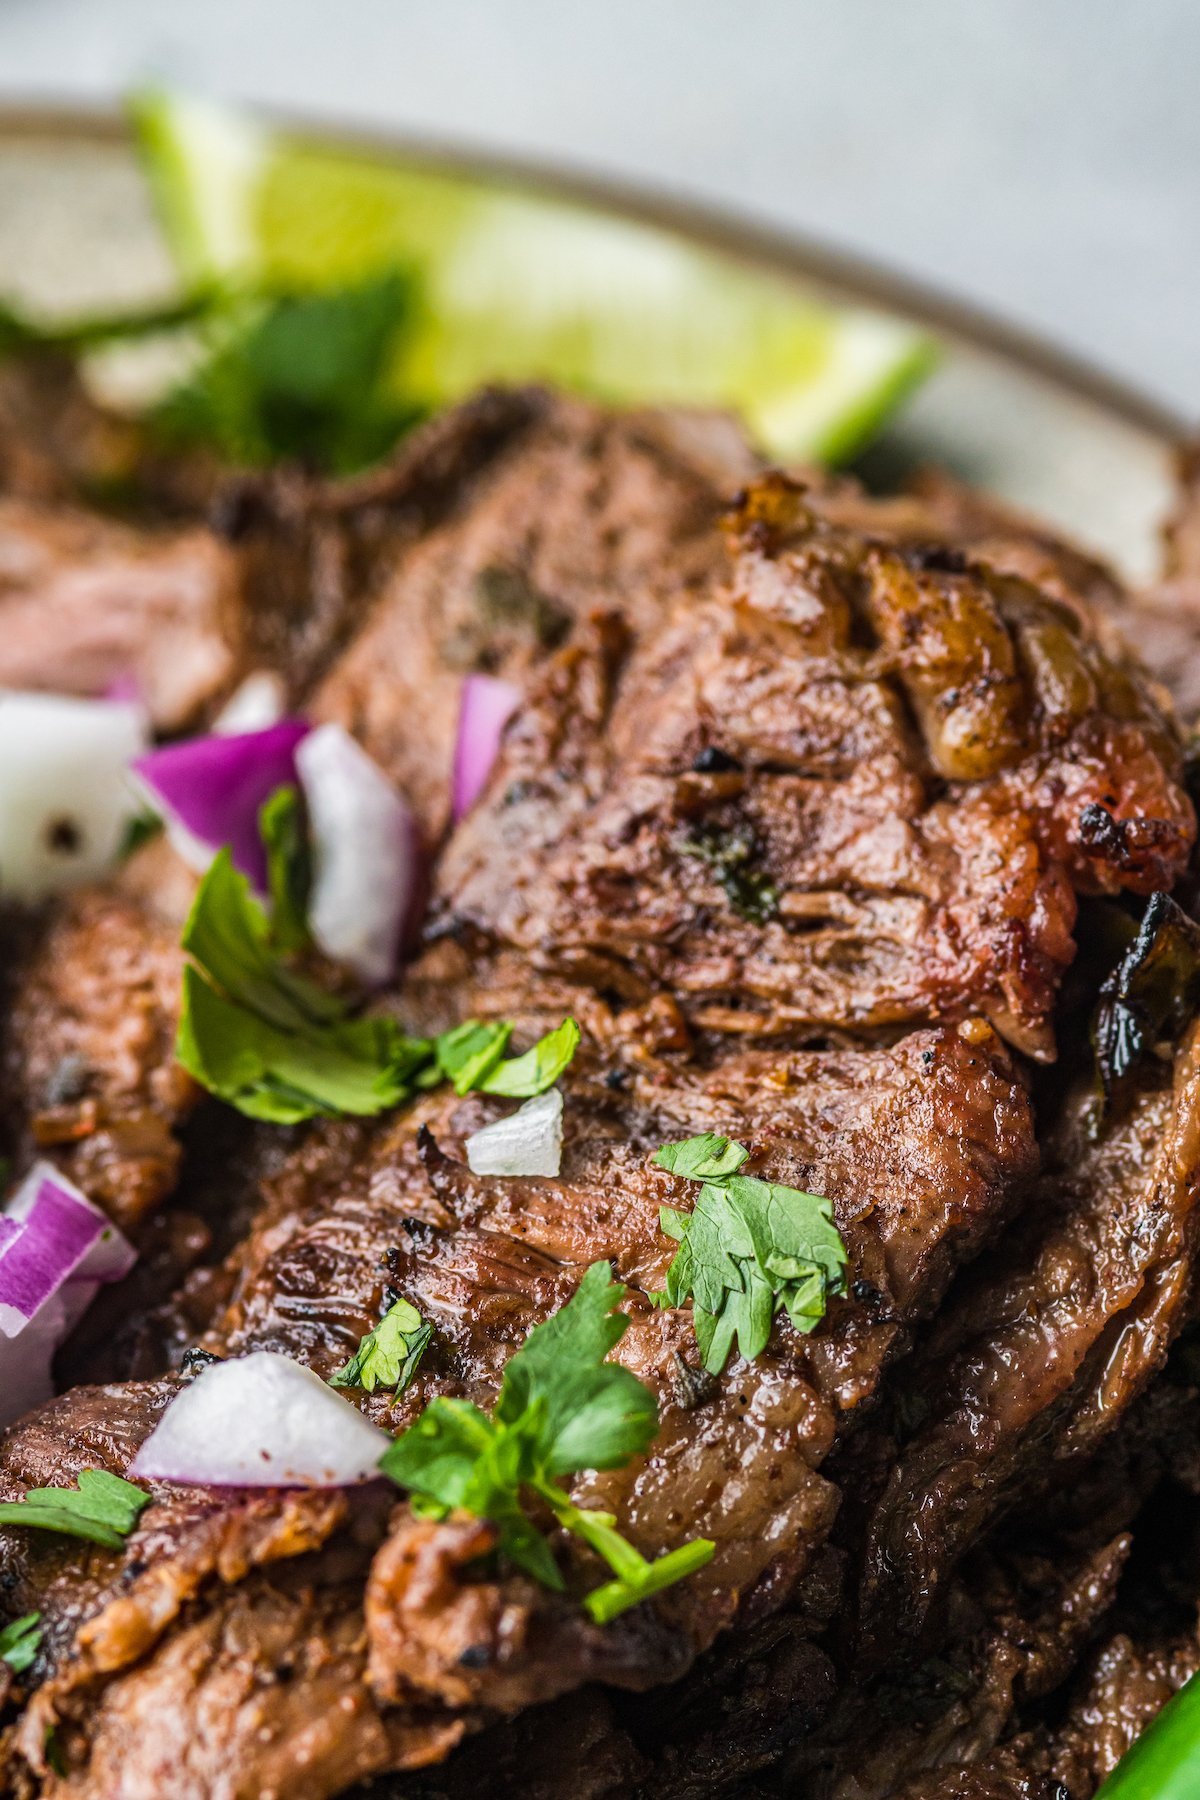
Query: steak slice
pixel 89 1039
pixel 860 787
pixel 86 602
pixel 1043 1351
pixel 924 1148
pixel 507 489
pixel 584 509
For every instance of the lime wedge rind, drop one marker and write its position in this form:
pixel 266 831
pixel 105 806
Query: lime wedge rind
pixel 518 286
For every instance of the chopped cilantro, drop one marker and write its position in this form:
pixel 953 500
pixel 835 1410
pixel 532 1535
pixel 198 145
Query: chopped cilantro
pixel 388 1356
pixel 19 1642
pixel 523 1077
pixel 562 1408
pixel 284 832
pixel 731 855
pixel 101 1507
pixel 268 1041
pixel 279 1048
pixel 53 1751
pixel 466 1055
pixel 301 376
pixel 748 1250
pixel 142 827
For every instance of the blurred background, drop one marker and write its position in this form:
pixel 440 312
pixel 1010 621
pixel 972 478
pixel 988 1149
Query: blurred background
pixel 1040 158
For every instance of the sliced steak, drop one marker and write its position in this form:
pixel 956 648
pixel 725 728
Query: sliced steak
pixel 1043 1352
pixel 924 1148
pixel 584 510
pixel 86 602
pixel 89 1038
pixel 856 789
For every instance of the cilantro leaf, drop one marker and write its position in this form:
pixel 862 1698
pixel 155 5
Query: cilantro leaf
pixel 101 1507
pixel 284 832
pixel 268 1041
pixel 470 1052
pixel 748 1250
pixel 279 1048
pixel 19 1642
pixel 300 376
pixel 471 1056
pixel 522 1077
pixel 597 1415
pixel 388 1356
pixel 704 1158
pixel 562 1407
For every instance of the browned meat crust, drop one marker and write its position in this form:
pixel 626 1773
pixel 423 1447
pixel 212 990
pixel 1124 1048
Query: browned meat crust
pixel 907 764
pixel 1044 1350
pixel 583 510
pixel 856 789
pixel 89 1064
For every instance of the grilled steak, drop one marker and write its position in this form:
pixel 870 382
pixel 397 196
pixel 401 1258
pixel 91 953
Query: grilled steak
pixel 1045 1350
pixel 795 818
pixel 858 788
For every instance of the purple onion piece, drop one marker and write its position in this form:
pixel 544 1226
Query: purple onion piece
pixel 212 788
pixel 487 705
pixel 56 1249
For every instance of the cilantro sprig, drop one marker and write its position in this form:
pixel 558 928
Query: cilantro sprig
pixel 101 1508
pixel 279 1048
pixel 271 1042
pixel 303 376
pixel 748 1250
pixel 562 1408
pixel 19 1642
pixel 388 1356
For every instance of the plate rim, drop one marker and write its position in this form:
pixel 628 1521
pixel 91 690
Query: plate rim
pixel 845 275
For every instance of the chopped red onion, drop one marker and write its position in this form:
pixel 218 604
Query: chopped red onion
pixel 366 855
pixel 210 790
pixel 527 1142
pixel 260 1421
pixel 486 707
pixel 65 803
pixel 56 1250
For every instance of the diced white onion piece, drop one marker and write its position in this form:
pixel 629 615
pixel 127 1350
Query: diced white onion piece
pixel 260 1421
pixel 65 802
pixel 527 1142
pixel 366 855
pixel 261 700
pixel 56 1249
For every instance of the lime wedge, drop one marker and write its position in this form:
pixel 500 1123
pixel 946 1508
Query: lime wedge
pixel 519 287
